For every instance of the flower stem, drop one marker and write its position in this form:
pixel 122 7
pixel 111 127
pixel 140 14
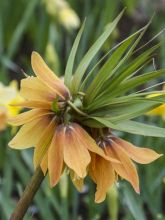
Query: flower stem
pixel 28 195
pixel 76 109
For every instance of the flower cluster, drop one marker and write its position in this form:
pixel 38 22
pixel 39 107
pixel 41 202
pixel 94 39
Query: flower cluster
pixel 60 142
pixel 71 123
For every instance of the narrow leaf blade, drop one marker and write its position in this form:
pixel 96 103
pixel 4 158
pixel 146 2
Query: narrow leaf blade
pixel 82 67
pixel 71 59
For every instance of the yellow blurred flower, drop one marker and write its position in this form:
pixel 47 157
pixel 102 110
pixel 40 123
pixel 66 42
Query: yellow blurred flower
pixel 160 110
pixel 61 10
pixel 69 18
pixel 8 96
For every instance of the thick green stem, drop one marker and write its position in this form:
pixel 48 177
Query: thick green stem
pixel 28 195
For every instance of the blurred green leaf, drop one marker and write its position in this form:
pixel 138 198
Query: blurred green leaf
pixel 134 206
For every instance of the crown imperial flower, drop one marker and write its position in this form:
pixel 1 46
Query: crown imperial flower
pixel 68 120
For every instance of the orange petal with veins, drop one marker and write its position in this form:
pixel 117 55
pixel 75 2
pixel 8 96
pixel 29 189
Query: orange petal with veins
pixel 55 156
pixel 126 169
pixel 34 104
pixel 47 76
pixel 103 174
pixel 28 116
pixel 33 89
pixel 90 143
pixel 77 181
pixel 138 154
pixel 44 164
pixel 30 133
pixel 76 156
pixel 42 145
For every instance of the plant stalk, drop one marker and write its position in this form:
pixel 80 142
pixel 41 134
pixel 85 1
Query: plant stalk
pixel 28 195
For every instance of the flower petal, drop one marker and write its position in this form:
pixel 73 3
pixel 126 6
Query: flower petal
pixel 44 164
pixel 55 157
pixel 138 154
pixel 77 181
pixel 103 174
pixel 47 76
pixel 126 169
pixel 34 104
pixel 90 143
pixel 43 143
pixel 30 133
pixel 27 116
pixel 33 89
pixel 157 111
pixel 76 156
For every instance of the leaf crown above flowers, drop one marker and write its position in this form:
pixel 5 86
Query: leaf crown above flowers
pixel 105 99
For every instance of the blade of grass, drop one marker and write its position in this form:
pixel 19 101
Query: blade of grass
pixel 18 33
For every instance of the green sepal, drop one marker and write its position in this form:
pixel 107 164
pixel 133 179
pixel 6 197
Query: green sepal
pixel 55 107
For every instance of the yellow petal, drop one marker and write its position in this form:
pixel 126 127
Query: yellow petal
pixel 76 156
pixel 43 143
pixel 44 164
pixel 126 169
pixel 30 133
pixel 157 111
pixel 47 76
pixel 6 94
pixel 138 154
pixel 90 143
pixel 104 176
pixel 33 89
pixel 55 157
pixel 27 117
pixel 77 181
pixel 34 104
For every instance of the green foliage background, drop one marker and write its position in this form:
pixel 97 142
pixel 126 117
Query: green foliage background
pixel 26 25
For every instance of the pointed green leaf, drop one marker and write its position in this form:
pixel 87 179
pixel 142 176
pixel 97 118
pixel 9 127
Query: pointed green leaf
pixel 133 66
pixel 133 127
pixel 82 67
pixel 107 70
pixel 125 87
pixel 108 87
pixel 128 110
pixel 138 80
pixel 71 59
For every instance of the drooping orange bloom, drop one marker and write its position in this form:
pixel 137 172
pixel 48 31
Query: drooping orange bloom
pixel 71 145
pixel 104 173
pixel 57 144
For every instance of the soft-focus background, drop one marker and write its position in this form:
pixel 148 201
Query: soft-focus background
pixel 49 27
